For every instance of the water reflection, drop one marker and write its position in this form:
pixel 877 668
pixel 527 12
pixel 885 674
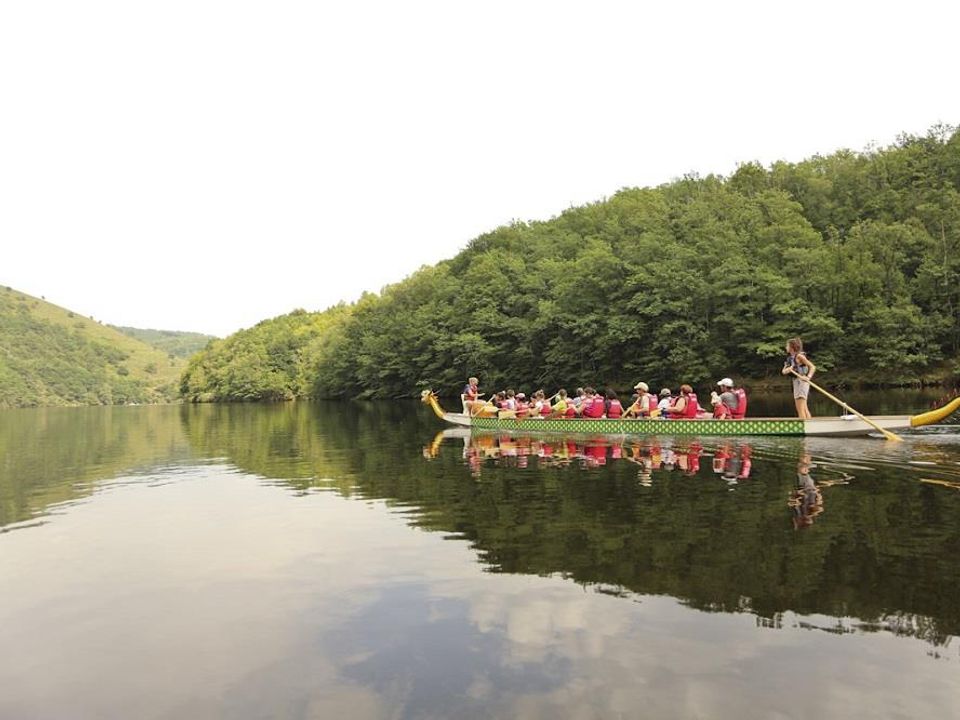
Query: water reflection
pixel 710 522
pixel 266 552
pixel 732 460
pixel 728 545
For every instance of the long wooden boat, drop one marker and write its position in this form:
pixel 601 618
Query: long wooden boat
pixel 844 425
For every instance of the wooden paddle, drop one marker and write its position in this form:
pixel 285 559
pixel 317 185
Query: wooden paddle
pixel 886 433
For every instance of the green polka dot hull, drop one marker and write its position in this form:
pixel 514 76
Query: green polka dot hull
pixel 759 426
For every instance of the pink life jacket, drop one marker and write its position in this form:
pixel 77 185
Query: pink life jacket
pixel 615 410
pixel 692 407
pixel 741 410
pixel 593 408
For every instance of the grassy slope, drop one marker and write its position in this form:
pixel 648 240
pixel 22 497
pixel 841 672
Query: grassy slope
pixel 52 356
pixel 181 344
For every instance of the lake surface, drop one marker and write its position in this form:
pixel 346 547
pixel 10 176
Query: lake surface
pixel 322 560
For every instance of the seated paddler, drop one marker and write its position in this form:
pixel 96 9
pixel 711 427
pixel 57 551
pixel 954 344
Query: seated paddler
pixel 730 403
pixel 594 405
pixel 612 406
pixel 646 403
pixel 686 406
pixel 562 404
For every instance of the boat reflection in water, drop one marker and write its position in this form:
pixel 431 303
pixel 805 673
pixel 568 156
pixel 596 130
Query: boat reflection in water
pixel 731 459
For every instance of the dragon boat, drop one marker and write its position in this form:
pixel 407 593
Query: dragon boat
pixel 844 425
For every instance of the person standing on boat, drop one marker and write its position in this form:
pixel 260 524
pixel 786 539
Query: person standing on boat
pixel 798 362
pixel 470 396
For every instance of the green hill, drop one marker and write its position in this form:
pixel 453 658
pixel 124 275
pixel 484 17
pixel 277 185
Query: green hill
pixel 52 356
pixel 173 342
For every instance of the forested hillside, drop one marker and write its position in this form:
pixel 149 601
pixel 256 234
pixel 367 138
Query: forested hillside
pixel 172 342
pixel 857 252
pixel 52 356
pixel 274 360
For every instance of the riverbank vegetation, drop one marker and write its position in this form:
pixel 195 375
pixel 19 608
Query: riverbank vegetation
pixel 858 252
pixel 52 356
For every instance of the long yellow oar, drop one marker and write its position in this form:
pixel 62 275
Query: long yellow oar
pixel 886 433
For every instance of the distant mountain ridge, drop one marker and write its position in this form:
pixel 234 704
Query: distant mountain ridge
pixel 50 355
pixel 174 342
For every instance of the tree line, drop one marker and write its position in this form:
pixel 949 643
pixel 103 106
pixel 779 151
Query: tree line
pixel 857 252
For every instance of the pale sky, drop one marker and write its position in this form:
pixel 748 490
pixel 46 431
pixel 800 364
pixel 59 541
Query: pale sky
pixel 205 165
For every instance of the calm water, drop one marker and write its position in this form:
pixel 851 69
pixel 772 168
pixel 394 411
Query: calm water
pixel 327 560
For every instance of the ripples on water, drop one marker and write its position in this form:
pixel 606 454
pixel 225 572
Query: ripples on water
pixel 257 561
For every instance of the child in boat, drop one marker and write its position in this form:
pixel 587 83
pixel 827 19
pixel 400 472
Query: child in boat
pixel 797 362
pixel 511 403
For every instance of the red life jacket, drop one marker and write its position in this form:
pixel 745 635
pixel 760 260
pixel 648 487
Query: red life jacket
pixel 741 410
pixel 571 410
pixel 545 409
pixel 593 408
pixel 692 407
pixel 615 410
pixel 522 408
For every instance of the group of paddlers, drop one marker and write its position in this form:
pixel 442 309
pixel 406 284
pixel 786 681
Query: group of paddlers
pixel 728 404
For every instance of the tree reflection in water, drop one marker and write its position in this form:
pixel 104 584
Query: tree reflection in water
pixel 702 521
pixel 715 534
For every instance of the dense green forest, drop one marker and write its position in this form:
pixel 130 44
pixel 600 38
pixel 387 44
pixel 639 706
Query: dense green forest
pixel 857 252
pixel 52 356
pixel 173 342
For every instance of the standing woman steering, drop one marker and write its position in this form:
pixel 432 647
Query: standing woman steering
pixel 799 363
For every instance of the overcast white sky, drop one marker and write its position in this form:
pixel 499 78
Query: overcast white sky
pixel 204 165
